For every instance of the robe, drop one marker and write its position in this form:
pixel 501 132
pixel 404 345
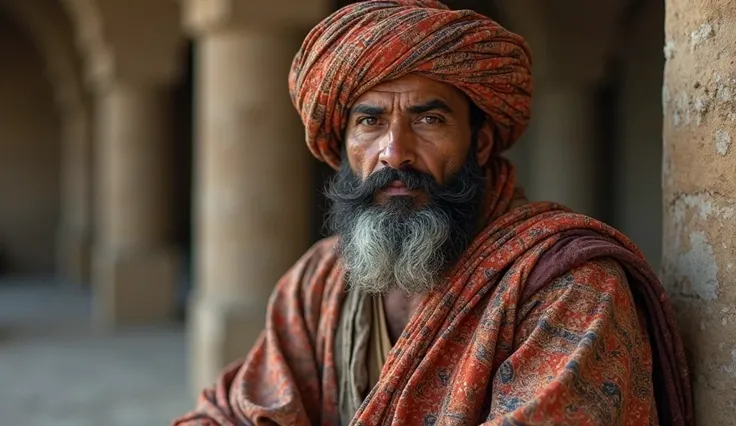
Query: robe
pixel 549 317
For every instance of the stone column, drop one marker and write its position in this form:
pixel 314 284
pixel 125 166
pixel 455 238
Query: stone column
pixel 562 150
pixel 699 176
pixel 74 235
pixel 135 268
pixel 253 182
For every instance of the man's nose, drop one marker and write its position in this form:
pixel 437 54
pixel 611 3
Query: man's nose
pixel 400 147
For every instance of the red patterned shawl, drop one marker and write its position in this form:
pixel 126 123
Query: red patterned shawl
pixel 461 342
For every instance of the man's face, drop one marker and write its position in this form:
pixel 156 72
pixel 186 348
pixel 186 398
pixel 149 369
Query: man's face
pixel 411 122
pixel 407 199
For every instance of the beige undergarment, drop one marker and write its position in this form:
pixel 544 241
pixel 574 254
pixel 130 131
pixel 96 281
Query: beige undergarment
pixel 380 343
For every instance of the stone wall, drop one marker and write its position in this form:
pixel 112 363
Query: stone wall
pixel 699 179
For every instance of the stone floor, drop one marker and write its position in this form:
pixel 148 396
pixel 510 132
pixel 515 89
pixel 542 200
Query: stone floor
pixel 55 369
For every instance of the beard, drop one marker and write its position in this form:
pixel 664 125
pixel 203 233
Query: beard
pixel 397 244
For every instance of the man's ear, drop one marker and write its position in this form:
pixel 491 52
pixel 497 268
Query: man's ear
pixel 485 143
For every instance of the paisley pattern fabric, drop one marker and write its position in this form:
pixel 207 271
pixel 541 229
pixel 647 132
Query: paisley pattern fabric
pixel 594 346
pixel 369 42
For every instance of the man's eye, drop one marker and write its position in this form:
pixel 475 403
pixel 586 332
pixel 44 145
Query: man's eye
pixel 431 119
pixel 368 121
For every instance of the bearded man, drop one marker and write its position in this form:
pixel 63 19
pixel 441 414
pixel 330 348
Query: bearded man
pixel 444 297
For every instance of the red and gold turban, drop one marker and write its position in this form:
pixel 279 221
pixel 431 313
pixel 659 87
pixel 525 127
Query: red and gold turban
pixel 369 42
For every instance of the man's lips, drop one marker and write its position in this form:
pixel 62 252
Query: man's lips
pixel 397 187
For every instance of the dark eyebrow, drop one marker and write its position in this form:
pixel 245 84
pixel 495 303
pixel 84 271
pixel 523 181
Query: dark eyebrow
pixel 434 104
pixel 368 109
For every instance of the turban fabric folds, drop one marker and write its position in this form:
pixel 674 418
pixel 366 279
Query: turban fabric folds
pixel 369 42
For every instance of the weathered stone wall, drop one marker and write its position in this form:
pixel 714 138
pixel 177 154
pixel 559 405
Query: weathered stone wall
pixel 699 178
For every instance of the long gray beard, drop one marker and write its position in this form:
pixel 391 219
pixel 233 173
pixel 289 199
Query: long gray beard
pixel 384 251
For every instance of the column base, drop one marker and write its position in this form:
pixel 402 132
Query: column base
pixel 73 255
pixel 219 333
pixel 135 288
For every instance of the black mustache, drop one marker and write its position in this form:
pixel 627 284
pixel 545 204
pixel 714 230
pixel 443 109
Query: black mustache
pixel 351 189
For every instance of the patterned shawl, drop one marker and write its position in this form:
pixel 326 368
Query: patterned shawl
pixel 289 378
pixel 369 42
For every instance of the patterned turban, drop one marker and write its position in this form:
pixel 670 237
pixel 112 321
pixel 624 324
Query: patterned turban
pixel 370 42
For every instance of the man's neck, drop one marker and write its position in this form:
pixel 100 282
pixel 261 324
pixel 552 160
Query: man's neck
pixel 399 309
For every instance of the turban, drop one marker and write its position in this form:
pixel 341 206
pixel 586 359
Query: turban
pixel 370 42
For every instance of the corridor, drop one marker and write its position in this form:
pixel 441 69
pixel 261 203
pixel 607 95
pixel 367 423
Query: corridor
pixel 56 369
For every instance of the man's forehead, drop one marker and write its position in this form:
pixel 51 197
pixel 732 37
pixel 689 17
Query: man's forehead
pixel 412 88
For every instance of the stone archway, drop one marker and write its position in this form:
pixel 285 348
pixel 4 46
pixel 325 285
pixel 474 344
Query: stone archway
pixel 132 58
pixel 51 31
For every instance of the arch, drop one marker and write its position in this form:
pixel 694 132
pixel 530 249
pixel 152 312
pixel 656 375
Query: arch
pixel 90 40
pixel 30 149
pixel 51 31
pixel 138 40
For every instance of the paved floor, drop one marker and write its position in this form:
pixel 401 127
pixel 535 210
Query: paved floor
pixel 56 370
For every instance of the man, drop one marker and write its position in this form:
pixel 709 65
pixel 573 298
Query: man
pixel 445 297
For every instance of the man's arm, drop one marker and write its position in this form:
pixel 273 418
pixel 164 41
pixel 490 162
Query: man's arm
pixel 581 356
pixel 213 407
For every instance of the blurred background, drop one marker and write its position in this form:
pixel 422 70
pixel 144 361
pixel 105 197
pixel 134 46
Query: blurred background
pixel 154 182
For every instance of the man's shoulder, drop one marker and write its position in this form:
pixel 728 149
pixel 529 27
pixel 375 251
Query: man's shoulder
pixel 599 274
pixel 315 265
pixel 598 278
pixel 566 244
pixel 324 248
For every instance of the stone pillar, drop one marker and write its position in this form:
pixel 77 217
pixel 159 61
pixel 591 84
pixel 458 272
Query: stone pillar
pixel 135 268
pixel 74 234
pixel 562 151
pixel 253 178
pixel 699 176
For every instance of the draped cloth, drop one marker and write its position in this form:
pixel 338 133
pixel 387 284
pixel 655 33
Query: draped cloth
pixel 369 42
pixel 465 357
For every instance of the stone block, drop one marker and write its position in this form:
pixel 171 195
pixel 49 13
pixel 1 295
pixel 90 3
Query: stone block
pixel 220 332
pixel 73 256
pixel 135 288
